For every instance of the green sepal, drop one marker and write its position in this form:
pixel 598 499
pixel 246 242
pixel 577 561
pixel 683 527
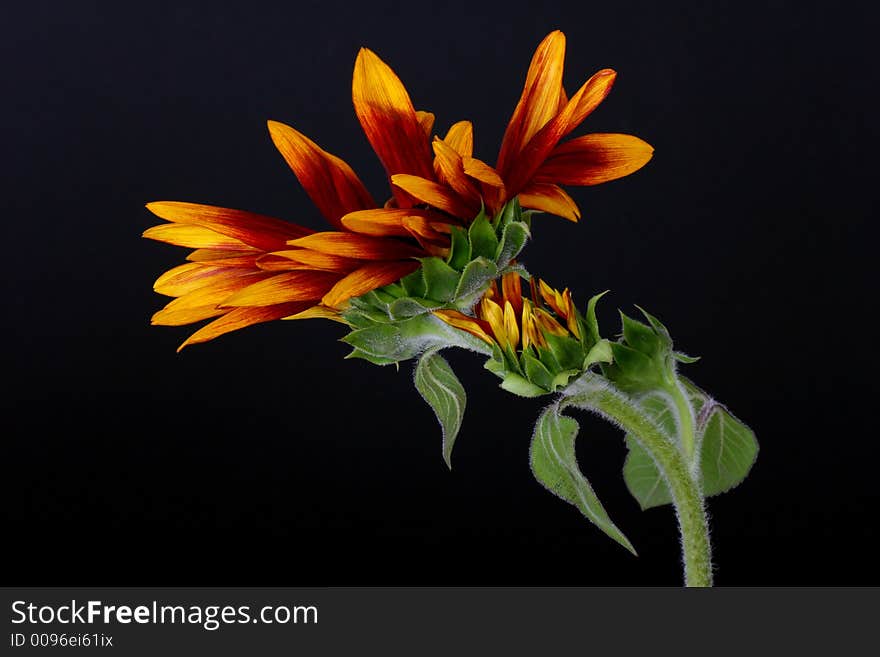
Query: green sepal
pixel 589 321
pixel 519 386
pixel 459 248
pixel 632 370
pixel 365 317
pixel 484 241
pixel 441 280
pixel 553 462
pixel 441 389
pixel 513 238
pixel 562 379
pixel 414 284
pixel 536 372
pixel 375 360
pixel 684 358
pixel 475 281
pixel 407 307
pixel 568 351
pixel 641 337
pixel 601 352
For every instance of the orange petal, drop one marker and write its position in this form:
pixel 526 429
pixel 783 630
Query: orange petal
pixel 230 255
pixel 481 171
pixel 355 245
pixel 331 184
pixel 239 318
pixel 442 198
pixel 192 236
pixel 388 118
pixel 318 312
pixel 284 288
pixel 235 259
pixel 452 170
pixel 381 222
pixel 539 101
pixel 511 286
pixel 293 259
pixel 256 230
pixel 171 316
pixel 542 144
pixel 191 276
pixel 461 138
pixel 595 159
pixel 366 278
pixel 426 120
pixel 476 327
pixel 549 198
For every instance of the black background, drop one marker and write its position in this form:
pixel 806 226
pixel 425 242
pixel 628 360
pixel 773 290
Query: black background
pixel 264 458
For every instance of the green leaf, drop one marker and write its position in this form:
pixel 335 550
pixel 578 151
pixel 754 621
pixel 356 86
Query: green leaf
pixel 444 393
pixel 459 248
pixel 440 279
pixel 552 457
pixel 728 450
pixel 482 237
pixel 513 238
pixel 569 353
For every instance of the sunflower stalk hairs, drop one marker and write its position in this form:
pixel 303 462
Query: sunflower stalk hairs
pixel 438 266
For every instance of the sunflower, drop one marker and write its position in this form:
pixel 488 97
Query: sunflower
pixel 248 268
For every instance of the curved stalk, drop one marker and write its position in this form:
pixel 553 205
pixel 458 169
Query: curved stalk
pixel 687 498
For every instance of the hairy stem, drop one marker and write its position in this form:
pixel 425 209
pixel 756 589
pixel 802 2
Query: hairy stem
pixel 687 498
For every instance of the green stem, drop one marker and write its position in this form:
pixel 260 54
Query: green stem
pixel 686 420
pixel 598 396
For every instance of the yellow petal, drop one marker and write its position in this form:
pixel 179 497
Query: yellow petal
pixel 510 325
pixel 472 325
pixel 494 315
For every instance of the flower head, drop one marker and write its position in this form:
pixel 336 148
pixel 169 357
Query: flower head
pixel 248 268
pixel 538 343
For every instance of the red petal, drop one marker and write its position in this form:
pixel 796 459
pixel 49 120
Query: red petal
pixel 594 159
pixel 331 184
pixel 366 278
pixel 388 118
pixel 355 245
